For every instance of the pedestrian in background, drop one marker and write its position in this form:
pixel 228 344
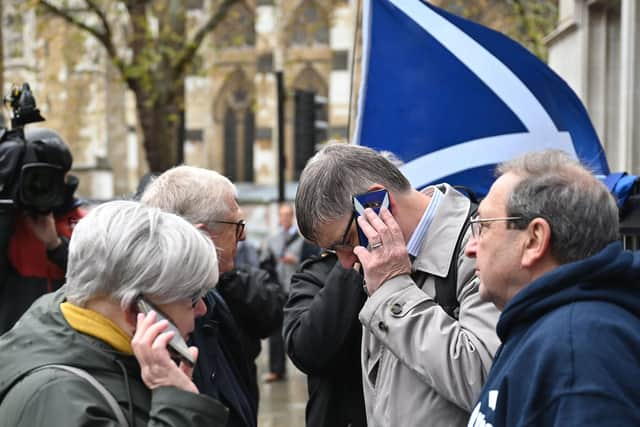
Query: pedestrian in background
pixel 282 249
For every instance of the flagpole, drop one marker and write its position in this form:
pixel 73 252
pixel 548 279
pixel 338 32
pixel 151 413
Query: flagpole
pixel 353 61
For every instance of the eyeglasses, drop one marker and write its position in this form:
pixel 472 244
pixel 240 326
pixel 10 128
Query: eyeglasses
pixel 240 226
pixel 478 224
pixel 343 242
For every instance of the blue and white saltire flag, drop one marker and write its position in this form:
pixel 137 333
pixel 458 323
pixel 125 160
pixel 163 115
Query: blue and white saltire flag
pixel 452 98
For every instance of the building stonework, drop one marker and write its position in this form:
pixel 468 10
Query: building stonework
pixel 230 98
pixel 595 48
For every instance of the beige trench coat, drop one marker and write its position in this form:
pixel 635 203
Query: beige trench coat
pixel 420 366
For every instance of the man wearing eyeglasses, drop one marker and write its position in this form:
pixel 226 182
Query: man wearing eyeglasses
pixel 209 201
pixel 421 365
pixel 547 253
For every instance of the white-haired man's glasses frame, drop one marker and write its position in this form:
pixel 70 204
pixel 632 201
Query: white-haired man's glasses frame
pixel 478 224
pixel 240 226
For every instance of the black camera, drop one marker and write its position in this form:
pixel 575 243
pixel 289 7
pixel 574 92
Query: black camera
pixel 33 162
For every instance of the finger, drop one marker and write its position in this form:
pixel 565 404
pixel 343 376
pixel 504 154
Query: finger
pixel 374 220
pixel 392 226
pixel 142 324
pixel 153 331
pixel 147 320
pixel 364 222
pixel 162 340
pixel 188 370
pixel 363 255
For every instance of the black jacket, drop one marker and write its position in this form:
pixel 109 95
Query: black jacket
pixel 255 299
pixel 222 368
pixel 322 337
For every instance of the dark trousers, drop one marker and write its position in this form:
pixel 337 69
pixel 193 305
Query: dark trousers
pixel 277 361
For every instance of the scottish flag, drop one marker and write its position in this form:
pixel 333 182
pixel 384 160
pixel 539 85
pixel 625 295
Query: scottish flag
pixel 452 98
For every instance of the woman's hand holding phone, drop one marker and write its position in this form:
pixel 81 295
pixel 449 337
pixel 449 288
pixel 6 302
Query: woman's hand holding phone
pixel 157 369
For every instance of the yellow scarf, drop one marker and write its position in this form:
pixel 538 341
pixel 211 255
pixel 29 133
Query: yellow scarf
pixel 96 325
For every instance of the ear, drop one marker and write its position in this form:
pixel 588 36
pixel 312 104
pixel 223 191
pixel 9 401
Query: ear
pixel 131 316
pixel 537 243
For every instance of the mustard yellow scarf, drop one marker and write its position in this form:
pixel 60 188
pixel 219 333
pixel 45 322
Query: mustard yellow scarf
pixel 96 325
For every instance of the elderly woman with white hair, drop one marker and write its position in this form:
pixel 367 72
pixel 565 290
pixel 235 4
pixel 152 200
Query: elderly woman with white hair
pixel 86 355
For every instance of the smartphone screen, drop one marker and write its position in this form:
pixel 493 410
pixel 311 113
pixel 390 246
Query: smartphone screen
pixel 177 347
pixel 374 200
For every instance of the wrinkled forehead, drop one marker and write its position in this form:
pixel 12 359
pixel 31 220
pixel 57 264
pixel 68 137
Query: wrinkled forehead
pixel 496 200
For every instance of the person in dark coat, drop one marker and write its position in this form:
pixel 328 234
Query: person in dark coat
pixel 322 337
pixel 208 200
pixel 34 245
pixel 255 299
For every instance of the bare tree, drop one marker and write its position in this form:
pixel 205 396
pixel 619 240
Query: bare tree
pixel 148 43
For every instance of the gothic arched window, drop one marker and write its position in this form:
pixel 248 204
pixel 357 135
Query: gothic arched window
pixel 310 25
pixel 235 109
pixel 237 29
pixel 13 34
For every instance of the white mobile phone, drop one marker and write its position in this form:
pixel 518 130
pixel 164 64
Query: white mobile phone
pixel 177 347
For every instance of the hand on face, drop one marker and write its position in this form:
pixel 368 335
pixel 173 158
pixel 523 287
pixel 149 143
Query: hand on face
pixel 387 255
pixel 44 228
pixel 149 345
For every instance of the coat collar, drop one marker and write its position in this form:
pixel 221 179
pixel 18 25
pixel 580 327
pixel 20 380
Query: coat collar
pixel 440 241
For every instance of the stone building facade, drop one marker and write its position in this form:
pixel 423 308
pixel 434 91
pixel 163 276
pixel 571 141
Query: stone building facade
pixel 596 49
pixel 231 108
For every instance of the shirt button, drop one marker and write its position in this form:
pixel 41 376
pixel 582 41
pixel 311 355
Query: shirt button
pixel 213 376
pixel 383 327
pixel 396 308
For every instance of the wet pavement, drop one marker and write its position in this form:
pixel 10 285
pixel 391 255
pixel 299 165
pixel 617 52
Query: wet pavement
pixel 281 403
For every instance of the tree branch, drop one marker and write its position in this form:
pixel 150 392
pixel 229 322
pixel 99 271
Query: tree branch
pixel 101 15
pixel 187 54
pixel 103 37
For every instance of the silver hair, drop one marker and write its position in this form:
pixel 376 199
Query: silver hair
pixel 123 249
pixel 198 195
pixel 333 176
pixel 579 208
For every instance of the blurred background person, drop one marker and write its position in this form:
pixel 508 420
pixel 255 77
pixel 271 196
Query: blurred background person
pixel 283 249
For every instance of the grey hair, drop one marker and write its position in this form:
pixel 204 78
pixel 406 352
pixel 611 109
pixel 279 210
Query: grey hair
pixel 579 208
pixel 333 176
pixel 123 249
pixel 198 195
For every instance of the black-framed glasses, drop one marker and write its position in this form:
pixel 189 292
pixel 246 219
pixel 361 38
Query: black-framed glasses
pixel 478 224
pixel 343 242
pixel 240 226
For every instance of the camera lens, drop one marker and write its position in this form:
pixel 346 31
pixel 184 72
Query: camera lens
pixel 41 186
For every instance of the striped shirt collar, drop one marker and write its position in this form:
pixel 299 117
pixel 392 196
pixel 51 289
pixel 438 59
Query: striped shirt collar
pixel 415 242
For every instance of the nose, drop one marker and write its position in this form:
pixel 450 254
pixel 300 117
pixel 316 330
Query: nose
pixel 200 308
pixel 470 248
pixel 347 258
